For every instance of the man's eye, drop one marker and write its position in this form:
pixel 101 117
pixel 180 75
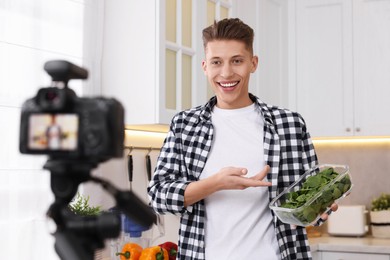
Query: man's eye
pixel 237 61
pixel 215 62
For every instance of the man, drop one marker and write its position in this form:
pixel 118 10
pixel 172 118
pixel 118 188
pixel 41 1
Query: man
pixel 222 163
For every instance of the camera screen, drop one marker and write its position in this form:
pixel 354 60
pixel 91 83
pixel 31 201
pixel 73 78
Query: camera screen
pixel 53 132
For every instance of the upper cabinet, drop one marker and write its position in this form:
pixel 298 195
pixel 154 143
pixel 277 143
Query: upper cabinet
pixel 269 19
pixel 327 59
pixel 371 39
pixel 129 58
pixel 341 66
pixel 152 54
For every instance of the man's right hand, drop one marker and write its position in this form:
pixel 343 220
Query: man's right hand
pixel 228 178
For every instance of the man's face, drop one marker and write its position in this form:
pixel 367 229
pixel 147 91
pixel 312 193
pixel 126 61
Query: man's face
pixel 228 66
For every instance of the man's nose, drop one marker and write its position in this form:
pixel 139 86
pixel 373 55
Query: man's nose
pixel 226 70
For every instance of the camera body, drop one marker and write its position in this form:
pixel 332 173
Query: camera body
pixel 58 123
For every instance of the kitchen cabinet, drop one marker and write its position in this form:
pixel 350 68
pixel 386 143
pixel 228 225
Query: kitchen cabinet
pixel 269 19
pixel 316 255
pixel 130 59
pixel 341 73
pixel 349 248
pixel 371 67
pixel 349 256
pixel 135 61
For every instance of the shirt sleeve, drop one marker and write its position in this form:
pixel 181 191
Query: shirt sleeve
pixel 166 189
pixel 309 156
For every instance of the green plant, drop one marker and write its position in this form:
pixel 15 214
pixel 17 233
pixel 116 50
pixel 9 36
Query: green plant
pixel 80 206
pixel 381 203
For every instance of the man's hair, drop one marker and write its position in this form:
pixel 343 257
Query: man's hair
pixel 229 29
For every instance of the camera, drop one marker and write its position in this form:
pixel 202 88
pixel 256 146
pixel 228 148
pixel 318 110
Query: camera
pixel 77 133
pixel 58 123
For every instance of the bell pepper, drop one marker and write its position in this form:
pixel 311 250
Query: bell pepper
pixel 154 253
pixel 131 251
pixel 171 248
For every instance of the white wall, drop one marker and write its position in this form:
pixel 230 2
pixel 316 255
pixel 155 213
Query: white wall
pixel 31 33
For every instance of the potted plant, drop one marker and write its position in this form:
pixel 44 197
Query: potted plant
pixel 380 216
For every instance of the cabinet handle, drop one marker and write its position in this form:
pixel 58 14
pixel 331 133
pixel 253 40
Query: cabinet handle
pixel 348 129
pixel 357 129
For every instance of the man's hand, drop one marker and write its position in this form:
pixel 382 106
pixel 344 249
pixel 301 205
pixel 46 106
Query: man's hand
pixel 233 178
pixel 228 178
pixel 325 216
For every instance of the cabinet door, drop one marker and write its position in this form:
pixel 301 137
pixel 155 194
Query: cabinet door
pixel 324 65
pixel 352 256
pixel 372 66
pixel 129 58
pixel 269 20
pixel 316 255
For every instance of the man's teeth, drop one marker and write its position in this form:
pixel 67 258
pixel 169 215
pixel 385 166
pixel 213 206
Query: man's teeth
pixel 228 85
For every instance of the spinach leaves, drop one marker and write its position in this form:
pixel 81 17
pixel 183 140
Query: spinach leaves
pixel 310 190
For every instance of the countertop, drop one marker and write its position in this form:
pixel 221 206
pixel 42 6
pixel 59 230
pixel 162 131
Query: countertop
pixel 366 244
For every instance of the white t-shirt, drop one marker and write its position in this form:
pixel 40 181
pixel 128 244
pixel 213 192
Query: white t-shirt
pixel 238 222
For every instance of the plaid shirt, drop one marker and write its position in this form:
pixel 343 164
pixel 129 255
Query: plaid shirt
pixel 287 149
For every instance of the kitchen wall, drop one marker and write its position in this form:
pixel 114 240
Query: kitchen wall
pixel 31 33
pixel 369 164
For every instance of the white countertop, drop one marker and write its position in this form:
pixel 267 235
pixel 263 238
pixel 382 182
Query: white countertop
pixel 365 244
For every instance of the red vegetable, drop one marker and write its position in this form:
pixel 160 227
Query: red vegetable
pixel 171 248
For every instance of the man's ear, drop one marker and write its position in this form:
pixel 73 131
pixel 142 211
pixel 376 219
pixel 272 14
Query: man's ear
pixel 204 66
pixel 255 62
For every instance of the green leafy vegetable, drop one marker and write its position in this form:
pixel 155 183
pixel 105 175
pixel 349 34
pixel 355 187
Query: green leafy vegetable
pixel 310 188
pixel 80 206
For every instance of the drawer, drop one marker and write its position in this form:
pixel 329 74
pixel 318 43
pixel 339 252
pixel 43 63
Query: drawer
pixel 352 256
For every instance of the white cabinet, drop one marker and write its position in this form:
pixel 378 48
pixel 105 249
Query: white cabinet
pixel 352 256
pixel 130 59
pixel 341 73
pixel 316 255
pixel 269 20
pixel 324 65
pixel 134 61
pixel 272 50
pixel 371 32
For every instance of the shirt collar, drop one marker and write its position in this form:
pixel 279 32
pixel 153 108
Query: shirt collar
pixel 205 115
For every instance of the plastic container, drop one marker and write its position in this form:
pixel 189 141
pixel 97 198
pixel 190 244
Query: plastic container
pixel 304 202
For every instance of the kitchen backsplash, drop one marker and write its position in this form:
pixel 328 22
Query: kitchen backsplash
pixel 369 164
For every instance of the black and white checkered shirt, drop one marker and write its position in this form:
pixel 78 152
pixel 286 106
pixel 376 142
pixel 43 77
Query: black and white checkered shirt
pixel 288 150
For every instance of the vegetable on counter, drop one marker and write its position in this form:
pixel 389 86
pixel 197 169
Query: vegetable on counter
pixel 310 188
pixel 130 251
pixel 171 248
pixel 154 253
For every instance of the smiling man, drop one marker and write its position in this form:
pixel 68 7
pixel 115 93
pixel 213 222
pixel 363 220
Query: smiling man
pixel 222 163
